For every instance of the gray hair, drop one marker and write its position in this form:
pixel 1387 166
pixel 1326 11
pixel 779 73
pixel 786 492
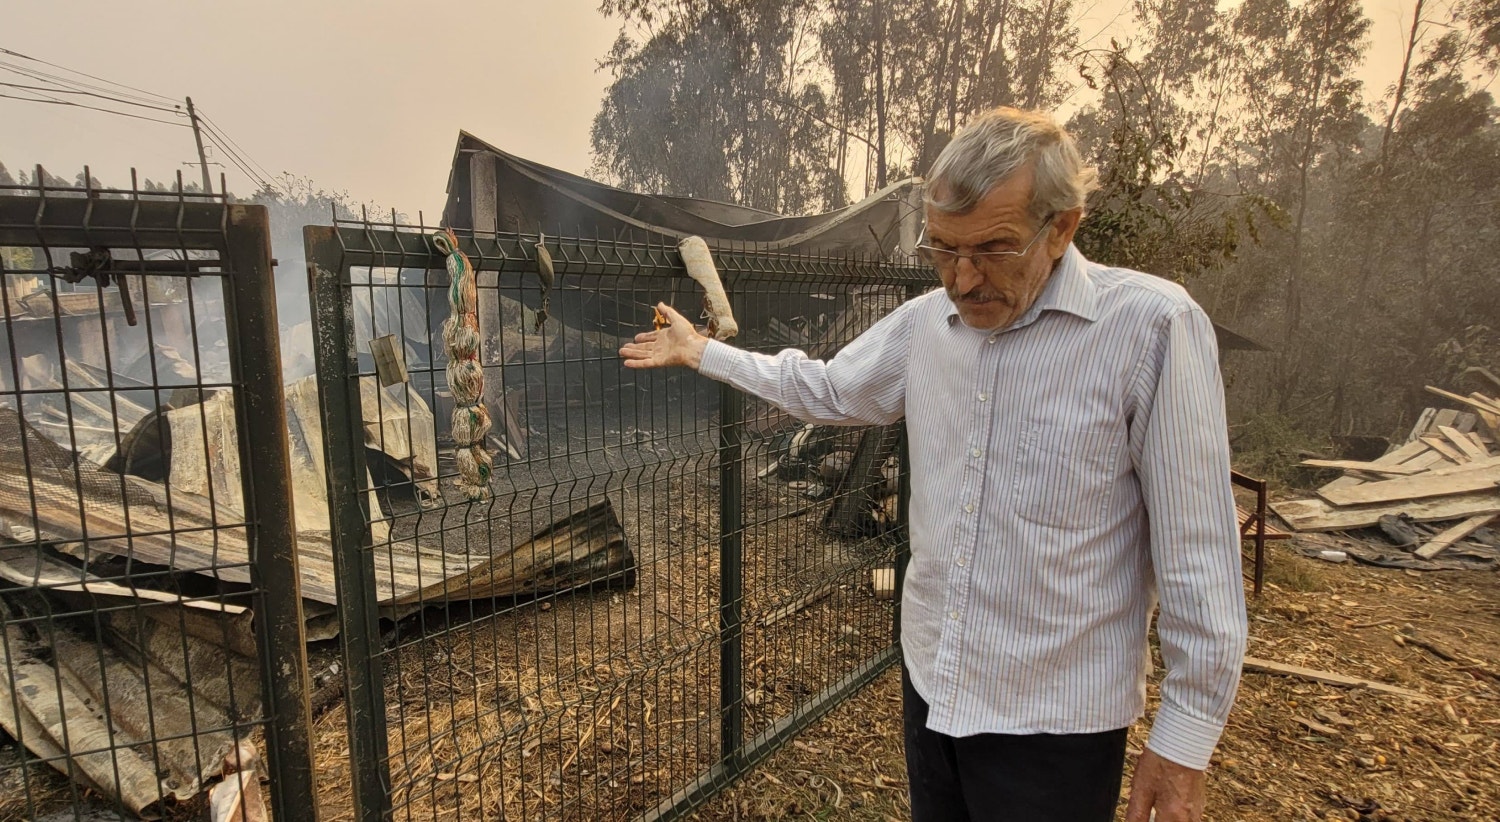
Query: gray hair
pixel 1001 142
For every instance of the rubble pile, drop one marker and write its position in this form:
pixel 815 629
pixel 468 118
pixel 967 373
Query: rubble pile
pixel 1435 497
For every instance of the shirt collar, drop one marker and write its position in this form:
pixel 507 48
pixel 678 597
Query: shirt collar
pixel 1069 289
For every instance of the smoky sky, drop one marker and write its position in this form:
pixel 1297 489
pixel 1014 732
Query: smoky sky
pixel 365 97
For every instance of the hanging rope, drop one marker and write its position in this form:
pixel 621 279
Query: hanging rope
pixel 471 420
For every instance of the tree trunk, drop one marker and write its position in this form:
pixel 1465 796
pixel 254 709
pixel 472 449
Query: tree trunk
pixel 1038 80
pixel 958 29
pixel 1293 292
pixel 929 124
pixel 1371 254
pixel 1411 47
pixel 880 169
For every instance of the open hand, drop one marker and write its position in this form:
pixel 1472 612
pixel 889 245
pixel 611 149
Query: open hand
pixel 1174 791
pixel 679 343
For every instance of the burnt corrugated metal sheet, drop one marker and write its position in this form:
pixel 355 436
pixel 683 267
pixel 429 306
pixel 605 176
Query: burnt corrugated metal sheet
pixel 139 699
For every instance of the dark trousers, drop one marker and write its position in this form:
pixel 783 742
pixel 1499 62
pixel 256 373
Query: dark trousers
pixel 1009 778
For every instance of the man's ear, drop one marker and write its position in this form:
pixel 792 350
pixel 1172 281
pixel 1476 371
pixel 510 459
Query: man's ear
pixel 1064 226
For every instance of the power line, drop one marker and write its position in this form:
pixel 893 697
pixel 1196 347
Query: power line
pixel 232 150
pixel 68 82
pixel 238 157
pixel 90 94
pixel 217 129
pixel 221 143
pixel 240 164
pixel 84 74
pixel 56 102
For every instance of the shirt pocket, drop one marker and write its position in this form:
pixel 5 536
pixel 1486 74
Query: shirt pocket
pixel 1066 477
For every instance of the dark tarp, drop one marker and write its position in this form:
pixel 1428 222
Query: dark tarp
pixel 490 190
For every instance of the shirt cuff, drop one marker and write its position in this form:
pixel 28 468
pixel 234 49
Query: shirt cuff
pixel 1183 739
pixel 718 360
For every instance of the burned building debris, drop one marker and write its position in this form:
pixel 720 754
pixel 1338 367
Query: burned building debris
pixel 1431 502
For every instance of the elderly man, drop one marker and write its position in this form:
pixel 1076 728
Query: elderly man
pixel 1069 466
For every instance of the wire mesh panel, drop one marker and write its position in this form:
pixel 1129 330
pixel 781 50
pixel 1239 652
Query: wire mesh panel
pixel 144 563
pixel 662 579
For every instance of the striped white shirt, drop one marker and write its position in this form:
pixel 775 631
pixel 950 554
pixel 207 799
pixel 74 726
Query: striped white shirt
pixel 1066 472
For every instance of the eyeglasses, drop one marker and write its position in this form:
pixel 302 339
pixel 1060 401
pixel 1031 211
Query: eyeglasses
pixel 946 259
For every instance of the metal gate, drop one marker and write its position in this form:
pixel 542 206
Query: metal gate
pixel 150 628
pixel 665 581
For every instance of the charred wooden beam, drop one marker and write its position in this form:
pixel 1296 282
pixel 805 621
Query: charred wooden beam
pixel 861 489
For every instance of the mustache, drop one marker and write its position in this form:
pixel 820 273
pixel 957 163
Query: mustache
pixel 980 294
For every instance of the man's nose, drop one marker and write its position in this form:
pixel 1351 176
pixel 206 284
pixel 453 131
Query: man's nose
pixel 966 276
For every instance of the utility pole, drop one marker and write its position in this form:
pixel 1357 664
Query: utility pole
pixel 198 136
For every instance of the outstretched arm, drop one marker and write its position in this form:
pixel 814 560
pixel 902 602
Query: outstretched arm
pixel 864 384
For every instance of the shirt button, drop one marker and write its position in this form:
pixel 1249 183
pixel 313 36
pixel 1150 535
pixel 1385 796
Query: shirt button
pixel 983 396
pixel 991 340
pixel 953 614
pixel 975 452
pixel 969 509
pixel 960 562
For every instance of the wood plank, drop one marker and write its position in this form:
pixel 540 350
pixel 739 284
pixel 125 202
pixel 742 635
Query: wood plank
pixel 1462 442
pixel 1428 459
pixel 1356 465
pixel 1412 451
pixel 1317 515
pixel 1444 470
pixel 1480 441
pixel 1490 419
pixel 1465 422
pixel 1483 478
pixel 1266 666
pixel 1485 404
pixel 1439 543
pixel 1424 421
pixel 1442 446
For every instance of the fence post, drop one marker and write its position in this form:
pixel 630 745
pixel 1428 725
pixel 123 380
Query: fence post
pixel 265 471
pixel 353 557
pixel 731 578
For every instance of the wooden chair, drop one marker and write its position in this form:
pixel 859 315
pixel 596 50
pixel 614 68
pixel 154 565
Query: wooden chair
pixel 1253 524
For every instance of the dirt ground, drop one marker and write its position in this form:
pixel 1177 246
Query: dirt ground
pixel 1293 750
pixel 599 705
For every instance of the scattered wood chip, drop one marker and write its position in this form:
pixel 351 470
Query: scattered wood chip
pixel 1315 726
pixel 1332 717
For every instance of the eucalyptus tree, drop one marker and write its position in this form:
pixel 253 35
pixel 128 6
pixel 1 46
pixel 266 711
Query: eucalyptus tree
pixel 718 99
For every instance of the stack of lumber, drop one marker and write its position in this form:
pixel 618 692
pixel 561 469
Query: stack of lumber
pixel 1447 472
